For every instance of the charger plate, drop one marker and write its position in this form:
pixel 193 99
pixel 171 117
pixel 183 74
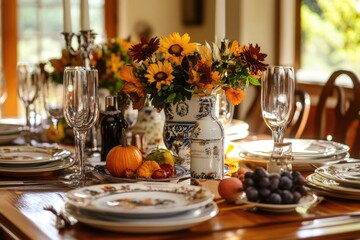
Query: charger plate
pixel 147 225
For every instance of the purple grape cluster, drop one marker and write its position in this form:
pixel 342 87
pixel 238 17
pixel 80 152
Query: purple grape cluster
pixel 274 188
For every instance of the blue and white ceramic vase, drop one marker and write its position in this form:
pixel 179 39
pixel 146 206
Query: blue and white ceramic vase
pixel 180 119
pixel 207 143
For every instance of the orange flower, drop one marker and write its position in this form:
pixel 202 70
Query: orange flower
pixel 133 87
pixel 236 49
pixel 235 96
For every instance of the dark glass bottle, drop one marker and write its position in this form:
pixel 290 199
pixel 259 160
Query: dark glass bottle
pixel 112 126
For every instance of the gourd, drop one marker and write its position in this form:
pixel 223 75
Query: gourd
pixel 123 157
pixel 147 168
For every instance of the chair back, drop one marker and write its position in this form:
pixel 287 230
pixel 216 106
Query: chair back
pixel 253 115
pixel 338 124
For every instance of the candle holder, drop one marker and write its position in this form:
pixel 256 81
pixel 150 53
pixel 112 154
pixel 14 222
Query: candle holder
pixel 85 40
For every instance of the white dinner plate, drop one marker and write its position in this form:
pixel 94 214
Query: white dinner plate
pixel 35 170
pixel 30 155
pixel 181 173
pixel 307 200
pixel 7 129
pixel 344 173
pixel 150 225
pixel 145 200
pixel 236 130
pixel 302 149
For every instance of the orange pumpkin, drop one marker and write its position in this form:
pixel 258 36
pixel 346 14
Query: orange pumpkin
pixel 121 158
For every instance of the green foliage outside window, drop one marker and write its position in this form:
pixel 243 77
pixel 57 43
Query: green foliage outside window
pixel 330 35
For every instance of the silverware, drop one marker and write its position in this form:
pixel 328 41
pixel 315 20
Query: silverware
pixel 29 182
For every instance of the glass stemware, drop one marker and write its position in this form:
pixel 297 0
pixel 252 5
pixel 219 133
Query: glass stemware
pixel 53 100
pixel 277 99
pixel 81 111
pixel 224 110
pixel 28 77
pixel 3 92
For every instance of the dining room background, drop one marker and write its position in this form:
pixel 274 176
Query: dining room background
pixel 280 27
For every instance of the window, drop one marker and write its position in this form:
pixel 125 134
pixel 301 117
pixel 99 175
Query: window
pixel 330 38
pixel 40 23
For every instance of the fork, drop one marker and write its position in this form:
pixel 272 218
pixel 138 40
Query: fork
pixel 59 222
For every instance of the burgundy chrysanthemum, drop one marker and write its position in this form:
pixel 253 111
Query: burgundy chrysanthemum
pixel 144 49
pixel 252 58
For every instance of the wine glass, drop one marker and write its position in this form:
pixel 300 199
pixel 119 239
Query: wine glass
pixel 53 99
pixel 224 110
pixel 28 77
pixel 277 99
pixel 81 111
pixel 3 92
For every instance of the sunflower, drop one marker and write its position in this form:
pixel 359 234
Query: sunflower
pixel 161 73
pixel 115 63
pixel 253 59
pixel 235 96
pixel 176 47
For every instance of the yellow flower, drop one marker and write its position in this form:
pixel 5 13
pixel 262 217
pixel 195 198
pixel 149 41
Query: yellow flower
pixel 160 73
pixel 176 47
pixel 235 96
pixel 115 63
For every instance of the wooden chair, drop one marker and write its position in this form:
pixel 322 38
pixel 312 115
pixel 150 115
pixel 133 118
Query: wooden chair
pixel 340 124
pixel 297 125
pixel 301 114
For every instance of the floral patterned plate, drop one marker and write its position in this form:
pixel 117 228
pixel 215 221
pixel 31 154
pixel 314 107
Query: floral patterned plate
pixel 22 155
pixel 139 200
pixel 175 222
pixel 347 174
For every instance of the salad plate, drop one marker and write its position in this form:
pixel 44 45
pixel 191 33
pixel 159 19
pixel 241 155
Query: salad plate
pixel 35 170
pixel 180 173
pixel 347 174
pixel 144 200
pixel 305 201
pixel 30 155
pixel 8 129
pixel 146 225
pixel 302 149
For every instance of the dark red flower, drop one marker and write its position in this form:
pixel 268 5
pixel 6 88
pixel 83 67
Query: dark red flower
pixel 252 58
pixel 145 49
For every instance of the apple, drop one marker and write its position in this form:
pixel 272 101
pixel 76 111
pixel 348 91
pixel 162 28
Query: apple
pixel 159 174
pixel 168 168
pixel 230 188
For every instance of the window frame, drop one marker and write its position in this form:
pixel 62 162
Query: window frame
pixel 9 38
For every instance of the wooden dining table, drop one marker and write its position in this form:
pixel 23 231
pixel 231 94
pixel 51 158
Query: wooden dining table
pixel 22 216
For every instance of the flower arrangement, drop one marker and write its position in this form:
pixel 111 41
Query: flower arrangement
pixel 172 69
pixel 108 58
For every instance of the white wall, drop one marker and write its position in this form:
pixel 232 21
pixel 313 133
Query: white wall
pixel 249 21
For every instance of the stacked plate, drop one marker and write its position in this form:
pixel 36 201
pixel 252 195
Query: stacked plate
pixel 236 130
pixel 338 180
pixel 305 152
pixel 28 160
pixel 141 207
pixel 9 132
